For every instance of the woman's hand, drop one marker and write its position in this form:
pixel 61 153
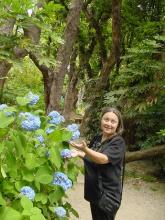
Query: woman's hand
pixel 80 146
pixel 77 153
pixel 74 153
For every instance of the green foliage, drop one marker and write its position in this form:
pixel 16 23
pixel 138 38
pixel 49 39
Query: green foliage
pixel 24 76
pixel 139 91
pixel 47 17
pixel 24 162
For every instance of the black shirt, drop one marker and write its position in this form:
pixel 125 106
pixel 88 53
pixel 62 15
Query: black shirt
pixel 110 173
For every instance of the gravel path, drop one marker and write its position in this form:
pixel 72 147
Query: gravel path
pixel 141 201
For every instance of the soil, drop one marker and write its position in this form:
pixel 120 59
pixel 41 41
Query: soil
pixel 141 200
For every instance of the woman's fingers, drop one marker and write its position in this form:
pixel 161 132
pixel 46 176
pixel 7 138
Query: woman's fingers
pixel 74 153
pixel 76 144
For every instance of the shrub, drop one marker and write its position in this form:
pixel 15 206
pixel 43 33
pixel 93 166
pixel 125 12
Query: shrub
pixel 35 172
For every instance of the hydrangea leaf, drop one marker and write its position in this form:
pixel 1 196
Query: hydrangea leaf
pixel 27 175
pixel 8 213
pixel 41 197
pixel 5 121
pixel 3 172
pixel 2 201
pixel 60 135
pixel 37 216
pixel 72 171
pixel 1 146
pixel 56 195
pixel 8 187
pixel 43 175
pixel 74 212
pixel 11 164
pixel 56 136
pixel 26 203
pixel 35 211
pixel 55 157
pixel 22 101
pixel 18 144
pixel 32 161
pixel 3 132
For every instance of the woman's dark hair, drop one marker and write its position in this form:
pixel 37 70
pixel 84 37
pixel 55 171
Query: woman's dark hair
pixel 120 127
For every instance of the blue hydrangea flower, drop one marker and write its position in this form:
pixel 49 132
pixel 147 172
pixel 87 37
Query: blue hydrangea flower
pixel 40 138
pixel 75 135
pixel 31 122
pixel 60 211
pixel 28 192
pixel 3 106
pixel 54 114
pixel 8 114
pixel 50 130
pixel 74 128
pixel 66 153
pixel 56 118
pixel 24 114
pixel 33 98
pixel 62 180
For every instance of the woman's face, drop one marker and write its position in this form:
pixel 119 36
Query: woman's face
pixel 109 123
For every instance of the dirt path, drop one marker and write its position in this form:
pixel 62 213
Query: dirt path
pixel 141 201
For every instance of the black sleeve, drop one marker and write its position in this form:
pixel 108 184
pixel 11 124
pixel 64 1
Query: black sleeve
pixel 115 150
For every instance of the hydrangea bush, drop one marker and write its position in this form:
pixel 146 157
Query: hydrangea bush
pixel 35 170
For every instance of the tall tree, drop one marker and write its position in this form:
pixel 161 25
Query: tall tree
pixel 5 31
pixel 102 83
pixel 63 55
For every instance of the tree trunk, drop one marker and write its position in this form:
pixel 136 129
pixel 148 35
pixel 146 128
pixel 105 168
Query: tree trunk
pixel 115 50
pixel 6 30
pixel 145 154
pixel 71 96
pixel 63 55
pixel 4 69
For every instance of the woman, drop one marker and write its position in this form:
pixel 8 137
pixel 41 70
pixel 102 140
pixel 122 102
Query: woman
pixel 103 161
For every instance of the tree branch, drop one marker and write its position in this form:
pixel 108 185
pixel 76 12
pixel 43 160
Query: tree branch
pixel 145 154
pixel 101 40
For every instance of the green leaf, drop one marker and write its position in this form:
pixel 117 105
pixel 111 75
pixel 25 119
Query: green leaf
pixel 19 185
pixel 8 187
pixel 72 171
pixel 55 157
pixel 3 172
pixel 18 144
pixel 32 161
pixel 22 101
pixel 38 185
pixel 60 135
pixel 3 132
pixel 37 217
pixel 56 136
pixel 7 213
pixel 44 175
pixel 71 209
pixel 26 203
pixel 2 201
pixel 11 164
pixel 35 211
pixel 27 175
pixel 41 197
pixel 56 195
pixel 1 147
pixel 5 121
